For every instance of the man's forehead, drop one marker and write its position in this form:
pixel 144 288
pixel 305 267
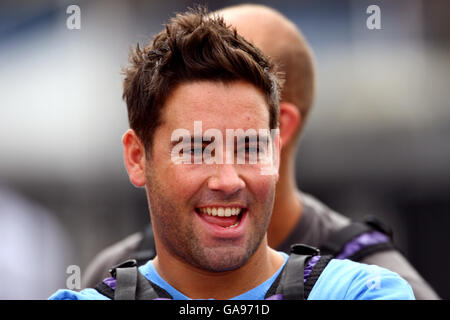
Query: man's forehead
pixel 217 105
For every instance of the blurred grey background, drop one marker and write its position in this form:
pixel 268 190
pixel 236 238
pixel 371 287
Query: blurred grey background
pixel 377 141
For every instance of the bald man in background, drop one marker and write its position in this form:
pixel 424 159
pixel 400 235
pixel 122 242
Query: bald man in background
pixel 297 217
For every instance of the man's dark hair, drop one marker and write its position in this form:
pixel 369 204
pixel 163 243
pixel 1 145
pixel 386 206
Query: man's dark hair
pixel 194 46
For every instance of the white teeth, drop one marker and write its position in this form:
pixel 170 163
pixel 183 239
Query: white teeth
pixel 221 212
pixel 234 225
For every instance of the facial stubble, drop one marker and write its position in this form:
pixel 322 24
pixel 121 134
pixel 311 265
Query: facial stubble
pixel 174 229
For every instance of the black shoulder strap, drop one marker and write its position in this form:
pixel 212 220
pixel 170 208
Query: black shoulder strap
pixel 337 240
pixel 126 283
pixel 131 284
pixel 290 283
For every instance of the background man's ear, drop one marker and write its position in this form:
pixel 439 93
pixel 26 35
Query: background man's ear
pixel 290 119
pixel 134 157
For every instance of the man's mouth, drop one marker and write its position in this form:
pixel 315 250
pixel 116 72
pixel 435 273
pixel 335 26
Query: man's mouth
pixel 224 217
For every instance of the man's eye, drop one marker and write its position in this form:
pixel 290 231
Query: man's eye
pixel 251 149
pixel 196 151
pixel 248 150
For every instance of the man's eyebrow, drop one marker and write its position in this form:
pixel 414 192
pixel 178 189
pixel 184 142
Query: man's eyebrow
pixel 247 138
pixel 190 140
pixel 252 138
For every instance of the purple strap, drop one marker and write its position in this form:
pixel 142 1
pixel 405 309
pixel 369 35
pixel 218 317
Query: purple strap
pixel 309 266
pixel 362 241
pixel 110 282
pixel 275 297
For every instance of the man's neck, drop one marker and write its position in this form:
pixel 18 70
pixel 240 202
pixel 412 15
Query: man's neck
pixel 288 207
pixel 200 284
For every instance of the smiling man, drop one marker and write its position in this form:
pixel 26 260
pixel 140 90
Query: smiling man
pixel 190 201
pixel 210 218
pixel 207 216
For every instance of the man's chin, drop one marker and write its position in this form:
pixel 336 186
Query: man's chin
pixel 223 259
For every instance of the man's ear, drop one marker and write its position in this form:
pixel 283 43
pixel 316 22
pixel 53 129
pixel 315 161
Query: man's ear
pixel 289 119
pixel 134 156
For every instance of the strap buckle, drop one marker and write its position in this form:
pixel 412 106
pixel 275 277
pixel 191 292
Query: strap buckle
pixel 304 249
pixel 126 264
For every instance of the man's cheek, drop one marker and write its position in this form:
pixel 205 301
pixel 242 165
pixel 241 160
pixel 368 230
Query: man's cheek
pixel 264 185
pixel 184 182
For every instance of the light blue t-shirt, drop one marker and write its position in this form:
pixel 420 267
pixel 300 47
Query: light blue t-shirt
pixel 340 280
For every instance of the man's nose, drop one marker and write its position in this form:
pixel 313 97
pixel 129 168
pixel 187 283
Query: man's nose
pixel 226 179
